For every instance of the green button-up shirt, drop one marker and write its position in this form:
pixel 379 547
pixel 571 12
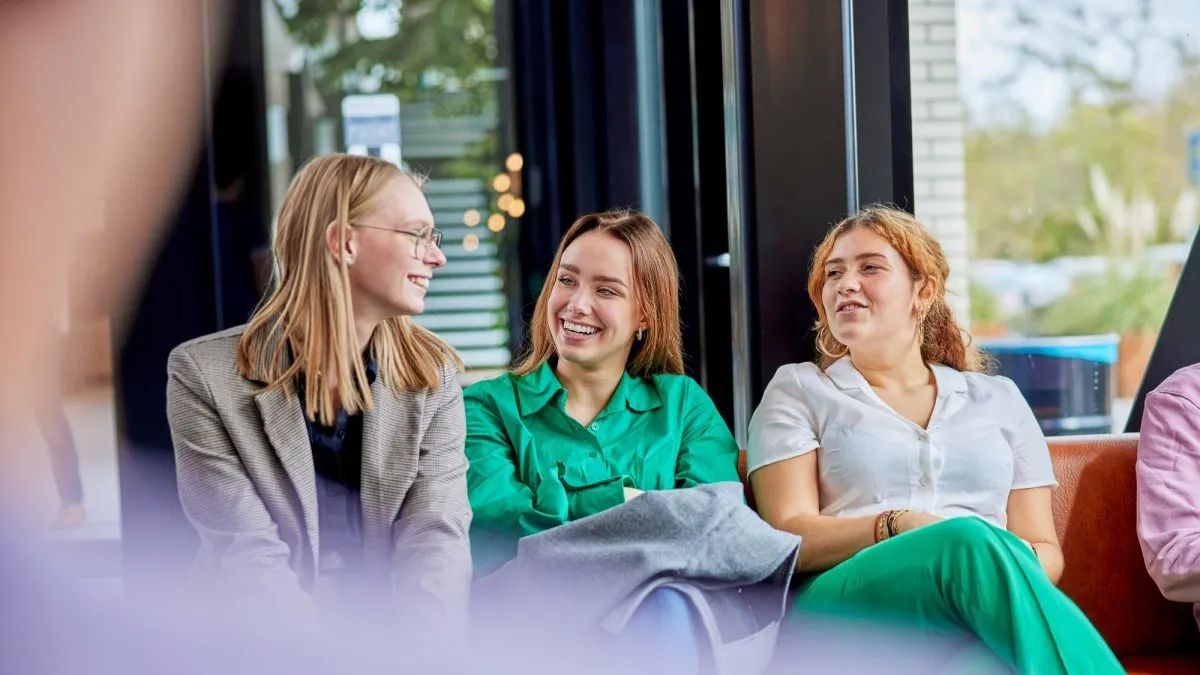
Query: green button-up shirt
pixel 533 467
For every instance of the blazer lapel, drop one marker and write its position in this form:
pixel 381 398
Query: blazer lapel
pixel 283 420
pixel 391 448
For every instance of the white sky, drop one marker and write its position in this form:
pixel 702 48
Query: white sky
pixel 985 28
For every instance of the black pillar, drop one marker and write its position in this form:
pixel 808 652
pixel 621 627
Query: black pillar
pixel 575 79
pixel 799 164
pixel 830 129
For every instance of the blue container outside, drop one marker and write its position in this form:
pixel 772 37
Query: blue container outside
pixel 1066 380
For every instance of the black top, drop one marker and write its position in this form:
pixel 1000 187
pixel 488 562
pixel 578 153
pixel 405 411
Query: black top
pixel 337 458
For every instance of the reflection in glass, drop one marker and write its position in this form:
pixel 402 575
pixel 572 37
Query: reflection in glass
pixel 416 82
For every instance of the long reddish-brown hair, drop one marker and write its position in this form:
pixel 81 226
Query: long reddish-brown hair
pixel 655 289
pixel 942 339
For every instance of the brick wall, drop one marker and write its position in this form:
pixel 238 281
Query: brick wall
pixel 940 185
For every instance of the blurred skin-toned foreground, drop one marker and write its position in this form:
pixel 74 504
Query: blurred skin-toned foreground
pixel 101 116
pixel 101 107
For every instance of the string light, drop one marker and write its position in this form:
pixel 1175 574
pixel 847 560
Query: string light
pixel 501 183
pixel 495 222
pixel 471 218
pixel 470 242
pixel 517 208
pixel 514 162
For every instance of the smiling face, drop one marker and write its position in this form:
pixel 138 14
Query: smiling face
pixel 387 279
pixel 593 314
pixel 869 295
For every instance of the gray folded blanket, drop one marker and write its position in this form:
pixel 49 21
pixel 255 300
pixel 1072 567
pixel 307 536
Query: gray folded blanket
pixel 595 572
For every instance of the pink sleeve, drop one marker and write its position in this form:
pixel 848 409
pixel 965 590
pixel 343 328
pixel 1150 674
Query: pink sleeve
pixel 1168 493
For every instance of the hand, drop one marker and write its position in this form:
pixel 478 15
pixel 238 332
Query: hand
pixel 630 493
pixel 914 520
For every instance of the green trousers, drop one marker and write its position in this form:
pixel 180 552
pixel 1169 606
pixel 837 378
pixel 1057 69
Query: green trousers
pixel 962 583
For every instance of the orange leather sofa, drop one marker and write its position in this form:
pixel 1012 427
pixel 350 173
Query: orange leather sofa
pixel 1094 509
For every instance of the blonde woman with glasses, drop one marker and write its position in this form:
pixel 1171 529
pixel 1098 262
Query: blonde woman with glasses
pixel 319 448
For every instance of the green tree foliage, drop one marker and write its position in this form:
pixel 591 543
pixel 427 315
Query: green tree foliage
pixel 1027 184
pixel 985 305
pixel 1025 188
pixel 439 46
pixel 437 52
pixel 1117 301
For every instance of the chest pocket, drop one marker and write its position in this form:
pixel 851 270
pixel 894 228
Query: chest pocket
pixel 638 447
pixel 573 449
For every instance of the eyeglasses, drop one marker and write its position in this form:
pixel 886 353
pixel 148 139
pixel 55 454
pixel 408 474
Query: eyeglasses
pixel 422 240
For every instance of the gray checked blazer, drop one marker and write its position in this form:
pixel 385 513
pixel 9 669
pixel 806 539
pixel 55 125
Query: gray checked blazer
pixel 248 485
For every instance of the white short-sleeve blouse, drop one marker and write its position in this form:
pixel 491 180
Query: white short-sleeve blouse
pixel 981 442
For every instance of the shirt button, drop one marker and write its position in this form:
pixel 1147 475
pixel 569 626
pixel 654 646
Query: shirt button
pixel 595 426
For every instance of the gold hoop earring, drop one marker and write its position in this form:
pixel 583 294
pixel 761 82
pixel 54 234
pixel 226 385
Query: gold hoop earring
pixel 824 338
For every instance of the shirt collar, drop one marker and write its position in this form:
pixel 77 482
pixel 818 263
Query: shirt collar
pixel 948 380
pixel 539 388
pixel 846 376
pixel 636 393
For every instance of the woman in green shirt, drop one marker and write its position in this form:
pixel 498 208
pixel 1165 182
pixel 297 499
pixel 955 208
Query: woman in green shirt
pixel 598 411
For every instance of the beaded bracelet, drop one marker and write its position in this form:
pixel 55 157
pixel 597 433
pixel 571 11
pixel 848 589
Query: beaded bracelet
pixel 894 516
pixel 882 530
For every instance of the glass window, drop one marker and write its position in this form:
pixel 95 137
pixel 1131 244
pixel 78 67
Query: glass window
pixel 420 83
pixel 1056 155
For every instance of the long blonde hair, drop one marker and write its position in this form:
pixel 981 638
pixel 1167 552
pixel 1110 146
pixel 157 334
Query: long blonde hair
pixel 656 288
pixel 942 339
pixel 306 323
